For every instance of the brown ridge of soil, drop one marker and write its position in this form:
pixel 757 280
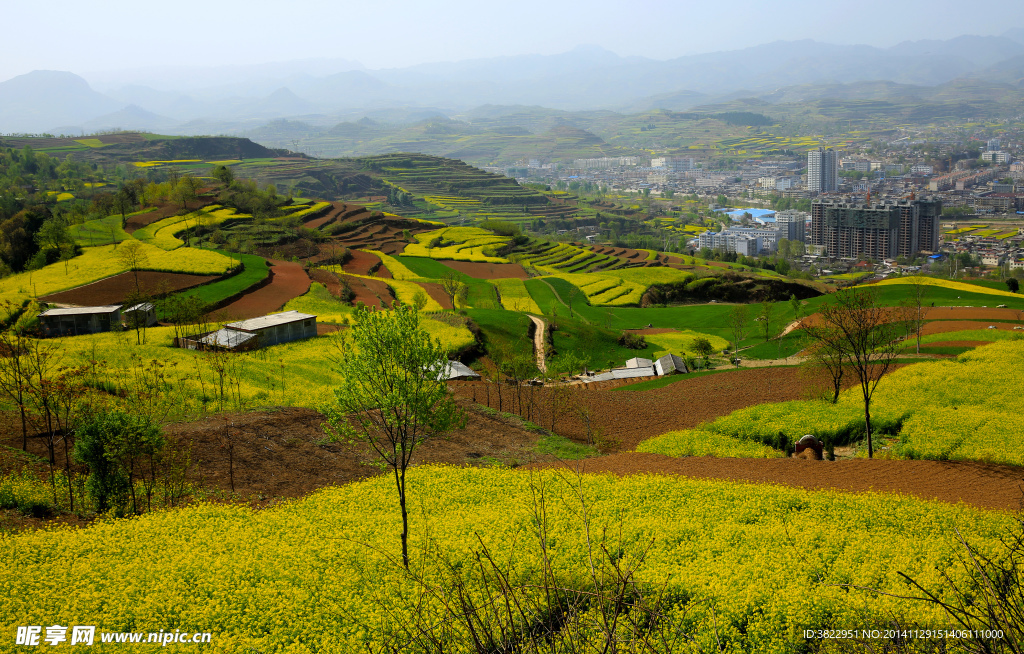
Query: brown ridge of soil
pixel 481 270
pixel 289 281
pixel 113 290
pixel 944 326
pixel 437 293
pixel 970 313
pixel 985 485
pixel 626 418
pixel 959 315
pixel 362 263
pixel 956 344
pixel 282 453
pixel 328 279
pixel 337 208
pixel 371 292
pixel 393 248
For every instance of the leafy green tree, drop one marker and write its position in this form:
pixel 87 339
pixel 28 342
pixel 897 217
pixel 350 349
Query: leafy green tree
pixel 133 257
pixel 394 396
pixel 703 348
pixel 115 446
pixel 1012 284
pixel 224 174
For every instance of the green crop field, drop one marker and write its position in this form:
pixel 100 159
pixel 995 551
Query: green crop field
pixel 255 271
pixel 481 292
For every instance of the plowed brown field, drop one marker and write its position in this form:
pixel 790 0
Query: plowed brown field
pixel 481 270
pixel 371 292
pixel 289 281
pixel 985 485
pixel 113 290
pixel 944 326
pixel 629 417
pixel 362 263
pixel 437 294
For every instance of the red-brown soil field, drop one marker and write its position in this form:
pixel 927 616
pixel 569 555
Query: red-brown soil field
pixel 481 270
pixel 944 326
pixel 370 292
pixel 957 344
pixel 437 293
pixel 113 290
pixel 626 418
pixel 289 281
pixel 366 263
pixel 986 485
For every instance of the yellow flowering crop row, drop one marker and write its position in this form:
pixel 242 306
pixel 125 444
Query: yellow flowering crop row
pixel 947 283
pixel 306 211
pixel 949 410
pixel 469 244
pixel 682 341
pixel 398 270
pixel 162 233
pixel 314 575
pixel 515 297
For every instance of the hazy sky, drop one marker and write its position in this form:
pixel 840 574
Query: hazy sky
pixel 121 34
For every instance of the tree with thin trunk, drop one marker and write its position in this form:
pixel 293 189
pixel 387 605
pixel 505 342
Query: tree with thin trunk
pixel 394 394
pixel 702 347
pixel 573 295
pixel 133 257
pixel 827 353
pixel 766 319
pixel 914 308
pixel 14 376
pixel 452 285
pixel 869 337
pixel 739 325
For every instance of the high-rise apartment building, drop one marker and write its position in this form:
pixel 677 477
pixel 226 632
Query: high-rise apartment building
pixel 882 230
pixel 822 171
pixel 792 225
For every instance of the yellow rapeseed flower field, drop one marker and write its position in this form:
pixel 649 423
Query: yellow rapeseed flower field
pixel 752 565
pixel 97 263
pixel 947 283
pixel 515 297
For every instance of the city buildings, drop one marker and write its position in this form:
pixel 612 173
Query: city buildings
pixel 996 156
pixel 882 230
pixel 822 171
pixel 792 225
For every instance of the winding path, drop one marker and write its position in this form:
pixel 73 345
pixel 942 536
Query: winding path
pixel 538 343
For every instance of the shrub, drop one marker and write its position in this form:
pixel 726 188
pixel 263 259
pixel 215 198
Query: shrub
pixel 633 341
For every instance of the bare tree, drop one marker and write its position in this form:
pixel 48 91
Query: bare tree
pixel 14 376
pixel 739 324
pixel 867 335
pixel 767 319
pixel 915 310
pixel 828 354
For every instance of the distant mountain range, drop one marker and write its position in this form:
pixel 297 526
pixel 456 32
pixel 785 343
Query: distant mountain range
pixel 324 93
